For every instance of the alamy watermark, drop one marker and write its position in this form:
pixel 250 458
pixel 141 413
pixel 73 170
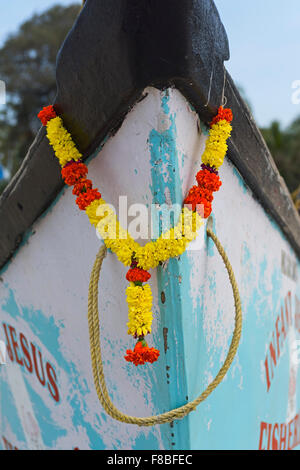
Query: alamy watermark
pixel 148 222
pixel 2 92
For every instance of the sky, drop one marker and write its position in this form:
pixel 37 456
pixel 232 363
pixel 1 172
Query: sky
pixel 264 45
pixel 264 41
pixel 15 12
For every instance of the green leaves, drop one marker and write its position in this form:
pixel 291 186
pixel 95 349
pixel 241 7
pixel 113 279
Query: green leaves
pixel 27 66
pixel 284 146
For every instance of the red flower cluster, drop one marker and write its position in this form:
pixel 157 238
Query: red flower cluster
pixel 200 197
pixel 82 186
pixel 73 172
pixel 208 180
pixel 222 114
pixel 46 114
pixel 141 354
pixel 137 275
pixel 85 199
pixel 200 200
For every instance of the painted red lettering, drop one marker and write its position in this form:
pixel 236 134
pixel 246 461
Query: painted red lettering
pixel 25 349
pixel 269 435
pixel 15 344
pixel 8 445
pixel 283 330
pixel 267 374
pixel 42 379
pixel 263 429
pixel 274 440
pixel 29 356
pixel 53 389
pixel 8 346
pixel 273 356
pixel 296 424
pixel 290 434
pixel 277 335
pixel 282 442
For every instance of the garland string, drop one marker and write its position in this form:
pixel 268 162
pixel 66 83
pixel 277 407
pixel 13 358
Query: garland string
pixel 170 244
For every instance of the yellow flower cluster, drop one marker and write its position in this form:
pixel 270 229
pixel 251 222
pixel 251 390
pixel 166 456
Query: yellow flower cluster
pixel 61 141
pixel 216 146
pixel 170 244
pixel 139 300
pixel 118 240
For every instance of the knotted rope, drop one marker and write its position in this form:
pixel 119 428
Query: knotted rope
pixel 95 348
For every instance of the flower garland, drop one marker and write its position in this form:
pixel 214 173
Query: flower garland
pixel 171 244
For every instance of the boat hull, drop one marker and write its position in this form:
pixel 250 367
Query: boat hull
pixel 48 399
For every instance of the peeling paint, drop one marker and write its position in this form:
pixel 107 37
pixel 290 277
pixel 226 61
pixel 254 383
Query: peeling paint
pixel 165 335
pixel 44 296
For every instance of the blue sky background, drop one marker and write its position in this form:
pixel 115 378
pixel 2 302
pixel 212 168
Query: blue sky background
pixel 264 39
pixel 15 12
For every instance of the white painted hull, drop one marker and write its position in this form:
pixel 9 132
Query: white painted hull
pixel 153 158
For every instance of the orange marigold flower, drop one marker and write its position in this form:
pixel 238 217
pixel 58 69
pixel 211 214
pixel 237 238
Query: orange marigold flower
pixel 200 193
pixel 82 186
pixel 222 114
pixel 73 172
pixel 46 114
pixel 200 200
pixel 208 180
pixel 137 275
pixel 151 355
pixel 142 354
pixel 204 208
pixel 85 199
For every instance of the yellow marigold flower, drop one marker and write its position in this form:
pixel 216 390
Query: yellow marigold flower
pixel 61 141
pixel 124 253
pixel 147 256
pixel 91 212
pixel 190 223
pixel 115 237
pixel 170 244
pixel 139 299
pixel 216 147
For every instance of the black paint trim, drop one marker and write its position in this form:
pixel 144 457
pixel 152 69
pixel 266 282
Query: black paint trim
pixel 115 50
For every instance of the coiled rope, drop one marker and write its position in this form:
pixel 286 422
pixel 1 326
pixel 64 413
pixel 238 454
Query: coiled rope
pixel 96 356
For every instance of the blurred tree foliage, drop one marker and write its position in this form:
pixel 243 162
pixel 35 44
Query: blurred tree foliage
pixel 284 146
pixel 27 65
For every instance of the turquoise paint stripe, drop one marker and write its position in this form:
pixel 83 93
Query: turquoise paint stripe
pixel 10 419
pixel 166 181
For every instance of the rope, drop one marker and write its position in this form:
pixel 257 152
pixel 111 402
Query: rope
pixel 96 357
